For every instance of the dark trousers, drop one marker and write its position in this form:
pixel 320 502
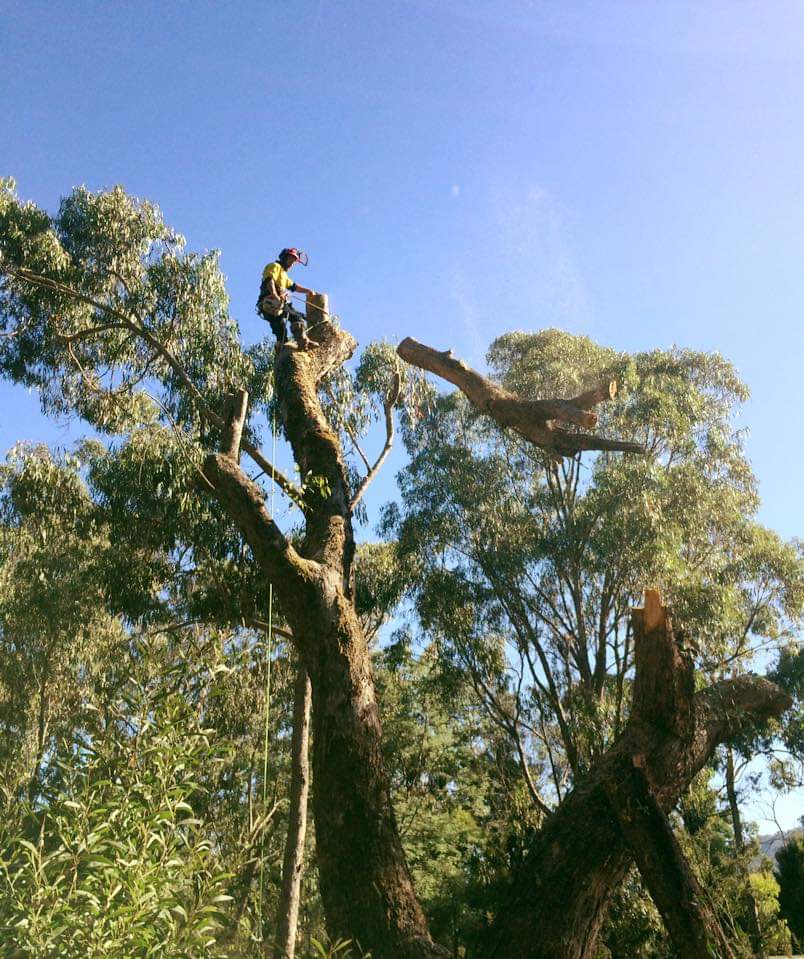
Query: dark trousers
pixel 279 324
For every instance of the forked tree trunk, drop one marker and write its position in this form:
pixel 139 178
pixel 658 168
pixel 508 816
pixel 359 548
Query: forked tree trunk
pixel 293 862
pixel 558 899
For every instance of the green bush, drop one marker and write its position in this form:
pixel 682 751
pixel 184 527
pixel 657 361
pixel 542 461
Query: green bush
pixel 113 861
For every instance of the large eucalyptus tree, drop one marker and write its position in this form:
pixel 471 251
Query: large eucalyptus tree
pixel 104 312
pixel 111 320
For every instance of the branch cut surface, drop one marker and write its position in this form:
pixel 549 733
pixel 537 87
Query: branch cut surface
pixel 664 682
pixel 329 345
pixel 534 420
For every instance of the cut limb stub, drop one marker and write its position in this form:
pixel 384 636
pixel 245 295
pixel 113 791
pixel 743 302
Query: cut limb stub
pixel 234 418
pixel 533 419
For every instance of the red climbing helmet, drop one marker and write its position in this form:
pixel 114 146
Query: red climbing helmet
pixel 298 256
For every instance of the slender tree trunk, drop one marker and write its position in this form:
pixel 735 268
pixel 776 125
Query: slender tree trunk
pixel 288 911
pixel 752 911
pixel 34 783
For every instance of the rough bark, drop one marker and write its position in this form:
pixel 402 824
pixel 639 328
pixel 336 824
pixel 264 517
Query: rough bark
pixel 533 419
pixel 665 871
pixel 365 885
pixel 293 863
pixel 558 898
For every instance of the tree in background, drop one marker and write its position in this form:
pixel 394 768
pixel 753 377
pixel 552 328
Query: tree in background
pixel 529 567
pixel 790 876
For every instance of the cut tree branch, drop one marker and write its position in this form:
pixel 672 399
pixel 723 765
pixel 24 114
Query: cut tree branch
pixel 664 682
pixel 534 420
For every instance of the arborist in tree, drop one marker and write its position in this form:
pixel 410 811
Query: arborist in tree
pixel 274 300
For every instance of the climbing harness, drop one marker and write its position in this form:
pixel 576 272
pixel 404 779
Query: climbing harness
pixel 326 315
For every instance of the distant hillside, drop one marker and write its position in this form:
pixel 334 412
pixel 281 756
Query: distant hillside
pixel 771 843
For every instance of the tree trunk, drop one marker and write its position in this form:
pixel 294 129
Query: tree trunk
pixel 751 909
pixel 34 783
pixel 365 885
pixel 664 869
pixel 288 911
pixel 558 898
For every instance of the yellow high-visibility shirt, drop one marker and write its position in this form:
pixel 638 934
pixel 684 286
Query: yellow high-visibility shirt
pixel 280 277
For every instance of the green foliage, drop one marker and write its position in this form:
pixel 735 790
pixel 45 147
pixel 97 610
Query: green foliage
pixel 117 862
pixel 765 891
pixel 462 810
pixel 788 767
pixel 342 949
pixel 95 592
pixel 380 584
pixel 789 874
pixel 527 569
pixel 633 928
pixel 123 308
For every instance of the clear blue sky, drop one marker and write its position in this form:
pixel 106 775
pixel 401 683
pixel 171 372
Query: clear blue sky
pixel 629 170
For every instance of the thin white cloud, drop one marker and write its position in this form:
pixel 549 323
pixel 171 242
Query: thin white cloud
pixel 542 276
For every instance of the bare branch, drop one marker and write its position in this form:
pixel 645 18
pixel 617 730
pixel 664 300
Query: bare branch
pixel 388 406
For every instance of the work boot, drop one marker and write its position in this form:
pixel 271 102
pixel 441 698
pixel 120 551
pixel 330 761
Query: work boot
pixel 303 341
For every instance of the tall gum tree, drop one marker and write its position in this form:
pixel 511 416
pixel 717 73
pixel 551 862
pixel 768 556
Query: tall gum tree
pixel 109 318
pixel 525 557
